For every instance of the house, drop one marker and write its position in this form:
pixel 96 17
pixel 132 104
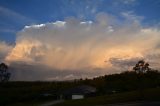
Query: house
pixel 79 92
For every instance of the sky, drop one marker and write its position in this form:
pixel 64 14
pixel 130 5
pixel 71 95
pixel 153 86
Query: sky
pixel 68 39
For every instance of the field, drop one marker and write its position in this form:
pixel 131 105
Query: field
pixel 127 86
pixel 152 94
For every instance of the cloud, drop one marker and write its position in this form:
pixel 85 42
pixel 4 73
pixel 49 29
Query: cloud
pixel 8 13
pixel 7 30
pixel 130 16
pixel 73 49
pixel 125 2
pixel 125 64
pixel 22 71
pixel 128 1
pixel 4 50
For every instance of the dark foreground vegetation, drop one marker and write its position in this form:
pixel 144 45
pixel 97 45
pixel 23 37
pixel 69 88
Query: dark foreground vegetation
pixel 126 86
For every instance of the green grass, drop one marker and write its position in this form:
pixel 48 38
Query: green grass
pixel 139 95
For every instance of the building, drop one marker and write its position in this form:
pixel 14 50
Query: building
pixel 79 92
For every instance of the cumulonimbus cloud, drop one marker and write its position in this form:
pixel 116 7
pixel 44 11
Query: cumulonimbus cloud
pixel 83 46
pixel 4 50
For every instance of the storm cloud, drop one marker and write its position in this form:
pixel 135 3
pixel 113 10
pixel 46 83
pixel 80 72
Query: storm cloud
pixel 77 49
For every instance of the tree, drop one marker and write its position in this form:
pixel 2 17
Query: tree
pixel 141 67
pixel 4 75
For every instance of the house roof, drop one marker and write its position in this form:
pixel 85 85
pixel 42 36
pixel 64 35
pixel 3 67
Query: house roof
pixel 83 89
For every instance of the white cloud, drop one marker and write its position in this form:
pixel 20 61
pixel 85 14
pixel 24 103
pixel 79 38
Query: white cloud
pixel 56 24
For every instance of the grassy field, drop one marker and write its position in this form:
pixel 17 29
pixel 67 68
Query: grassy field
pixel 129 86
pixel 17 92
pixel 152 94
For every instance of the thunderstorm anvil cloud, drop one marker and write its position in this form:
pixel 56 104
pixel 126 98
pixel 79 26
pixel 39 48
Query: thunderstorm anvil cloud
pixel 76 49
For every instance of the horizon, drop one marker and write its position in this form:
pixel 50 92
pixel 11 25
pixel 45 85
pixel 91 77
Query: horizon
pixel 68 39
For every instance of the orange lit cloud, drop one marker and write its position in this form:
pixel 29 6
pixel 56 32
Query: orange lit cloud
pixel 80 46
